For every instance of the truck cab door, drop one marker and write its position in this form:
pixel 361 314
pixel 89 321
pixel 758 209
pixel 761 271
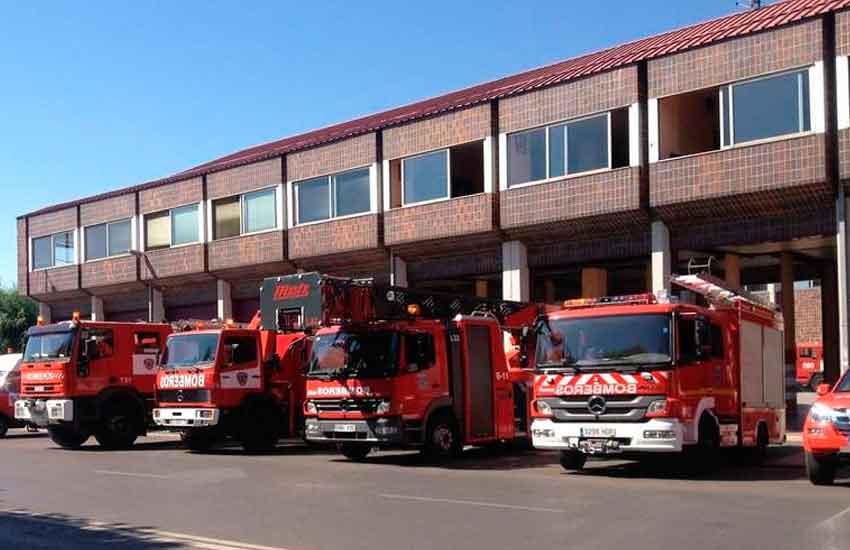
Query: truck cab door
pixel 94 369
pixel 241 363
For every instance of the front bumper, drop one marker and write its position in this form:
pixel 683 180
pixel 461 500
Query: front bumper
pixel 43 412
pixel 186 417
pixel 659 435
pixel 385 431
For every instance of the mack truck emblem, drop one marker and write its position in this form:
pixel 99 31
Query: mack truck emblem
pixel 242 378
pixel 597 405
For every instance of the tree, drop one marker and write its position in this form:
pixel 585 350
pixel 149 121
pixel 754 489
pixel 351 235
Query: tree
pixel 17 314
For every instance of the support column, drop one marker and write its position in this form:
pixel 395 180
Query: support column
pixel 156 306
pixel 842 274
pixel 732 267
pixel 594 282
pixel 771 293
pixel 661 258
pixel 97 309
pixel 787 281
pixel 225 300
pixel 549 291
pixel 481 288
pixel 829 323
pixel 45 313
pixel 398 271
pixel 515 280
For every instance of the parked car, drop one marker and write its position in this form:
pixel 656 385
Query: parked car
pixel 826 431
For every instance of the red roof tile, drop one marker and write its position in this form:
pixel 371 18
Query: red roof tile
pixel 730 26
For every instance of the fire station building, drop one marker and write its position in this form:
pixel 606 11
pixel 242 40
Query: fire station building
pixel 724 145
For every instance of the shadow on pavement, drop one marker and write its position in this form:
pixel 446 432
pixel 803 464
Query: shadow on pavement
pixel 284 449
pixel 478 458
pixel 21 529
pixel 92 447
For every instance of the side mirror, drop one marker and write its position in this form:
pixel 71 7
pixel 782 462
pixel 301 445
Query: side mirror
pixel 523 348
pixel 823 389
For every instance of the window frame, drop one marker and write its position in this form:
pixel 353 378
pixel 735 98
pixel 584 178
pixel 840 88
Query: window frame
pixel 448 194
pixel 108 256
pixel 330 181
pixel 242 217
pixel 727 103
pixel 52 237
pixel 547 156
pixel 170 211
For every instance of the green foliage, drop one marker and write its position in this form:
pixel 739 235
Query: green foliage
pixel 17 314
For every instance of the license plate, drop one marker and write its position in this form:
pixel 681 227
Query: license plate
pixel 345 428
pixel 598 432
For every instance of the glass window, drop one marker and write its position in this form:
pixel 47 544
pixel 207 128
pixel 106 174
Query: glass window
pixel 226 221
pixel 260 211
pixel 57 345
pixel 351 192
pixel 557 150
pixel 313 198
pixel 158 231
pixel 184 225
pixel 241 349
pixel 63 248
pixel 587 144
pixel 526 156
pixel 98 343
pixel 42 252
pixel 120 237
pixel 426 177
pixel 769 107
pixel 188 350
pixel 96 242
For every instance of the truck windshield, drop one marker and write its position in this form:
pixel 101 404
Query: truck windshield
pixel 354 355
pixel 626 340
pixel 56 345
pixel 190 350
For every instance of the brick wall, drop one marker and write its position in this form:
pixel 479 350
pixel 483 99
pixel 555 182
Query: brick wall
pixel 571 198
pixel 844 154
pixel 173 262
pixel 244 178
pixel 842 33
pixel 48 224
pixel 171 195
pixel 807 314
pixel 23 256
pixel 333 237
pixel 332 158
pixel 618 246
pixel 250 250
pixel 461 216
pixel 116 208
pixel 737 59
pixel 458 127
pixel 112 271
pixel 51 281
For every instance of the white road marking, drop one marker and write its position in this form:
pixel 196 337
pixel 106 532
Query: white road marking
pixel 473 503
pixel 831 521
pixel 131 474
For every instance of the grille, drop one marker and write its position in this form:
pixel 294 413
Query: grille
pixel 618 408
pixel 42 390
pixel 184 396
pixel 842 425
pixel 365 406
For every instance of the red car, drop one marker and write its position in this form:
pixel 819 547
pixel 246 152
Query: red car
pixel 826 431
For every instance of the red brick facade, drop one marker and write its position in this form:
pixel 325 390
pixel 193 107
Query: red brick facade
pixel 23 256
pixel 108 272
pixel 464 216
pixel 471 124
pixel 250 250
pixel 171 196
pixel 173 262
pixel 48 224
pixel 334 237
pixel 329 159
pixel 807 315
pixel 245 178
pixel 842 33
pixel 59 280
pixel 114 209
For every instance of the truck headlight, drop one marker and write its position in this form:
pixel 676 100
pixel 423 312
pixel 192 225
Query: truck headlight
pixel 383 407
pixel 822 413
pixel 310 407
pixel 204 413
pixel 657 407
pixel 543 408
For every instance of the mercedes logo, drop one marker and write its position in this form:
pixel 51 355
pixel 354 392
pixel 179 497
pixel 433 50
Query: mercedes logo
pixel 179 396
pixel 597 405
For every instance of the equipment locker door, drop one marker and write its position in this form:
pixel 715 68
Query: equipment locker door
pixel 478 381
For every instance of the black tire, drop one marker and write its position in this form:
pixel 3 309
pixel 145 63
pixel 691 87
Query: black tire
pixel 442 438
pixel 703 456
pixel 120 426
pixel 821 468
pixel 199 440
pixel 66 436
pixel 262 425
pixel 4 426
pixel 815 381
pixel 355 451
pixel 573 460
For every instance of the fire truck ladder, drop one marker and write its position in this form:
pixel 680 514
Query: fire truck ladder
pixel 717 293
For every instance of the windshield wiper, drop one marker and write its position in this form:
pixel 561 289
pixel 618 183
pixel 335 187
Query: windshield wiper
pixel 563 364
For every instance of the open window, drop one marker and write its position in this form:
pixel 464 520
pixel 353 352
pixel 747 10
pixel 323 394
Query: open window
pixel 699 340
pixel 98 343
pixel 447 173
pixel 689 123
pixel 419 351
pixel 240 350
pixel 146 343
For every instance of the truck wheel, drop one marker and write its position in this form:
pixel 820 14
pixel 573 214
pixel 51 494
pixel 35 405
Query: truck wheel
pixel 573 460
pixel 119 427
pixel 66 436
pixel 261 427
pixel 820 469
pixel 705 453
pixel 815 381
pixel 199 440
pixel 4 426
pixel 355 451
pixel 442 438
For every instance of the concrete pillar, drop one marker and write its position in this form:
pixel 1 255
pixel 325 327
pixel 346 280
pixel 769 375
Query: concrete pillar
pixel 45 313
pixel 515 279
pixel 549 291
pixel 842 274
pixel 771 293
pixel 398 271
pixel 225 300
pixel 97 309
pixel 156 306
pixel 829 323
pixel 661 258
pixel 594 282
pixel 481 288
pixel 732 267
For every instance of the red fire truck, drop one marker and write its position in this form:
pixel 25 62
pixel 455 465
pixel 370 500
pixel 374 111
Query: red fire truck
pixel 80 378
pixel 9 390
pixel 394 367
pixel 810 364
pixel 636 375
pixel 241 383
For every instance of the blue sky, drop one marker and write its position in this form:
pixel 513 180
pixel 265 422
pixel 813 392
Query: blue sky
pixel 97 96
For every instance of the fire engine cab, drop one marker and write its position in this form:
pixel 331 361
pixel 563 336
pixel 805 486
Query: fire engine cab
pixel 392 367
pixel 638 374
pixel 80 378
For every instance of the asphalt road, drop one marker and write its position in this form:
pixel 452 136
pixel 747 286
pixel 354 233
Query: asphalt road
pixel 159 496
